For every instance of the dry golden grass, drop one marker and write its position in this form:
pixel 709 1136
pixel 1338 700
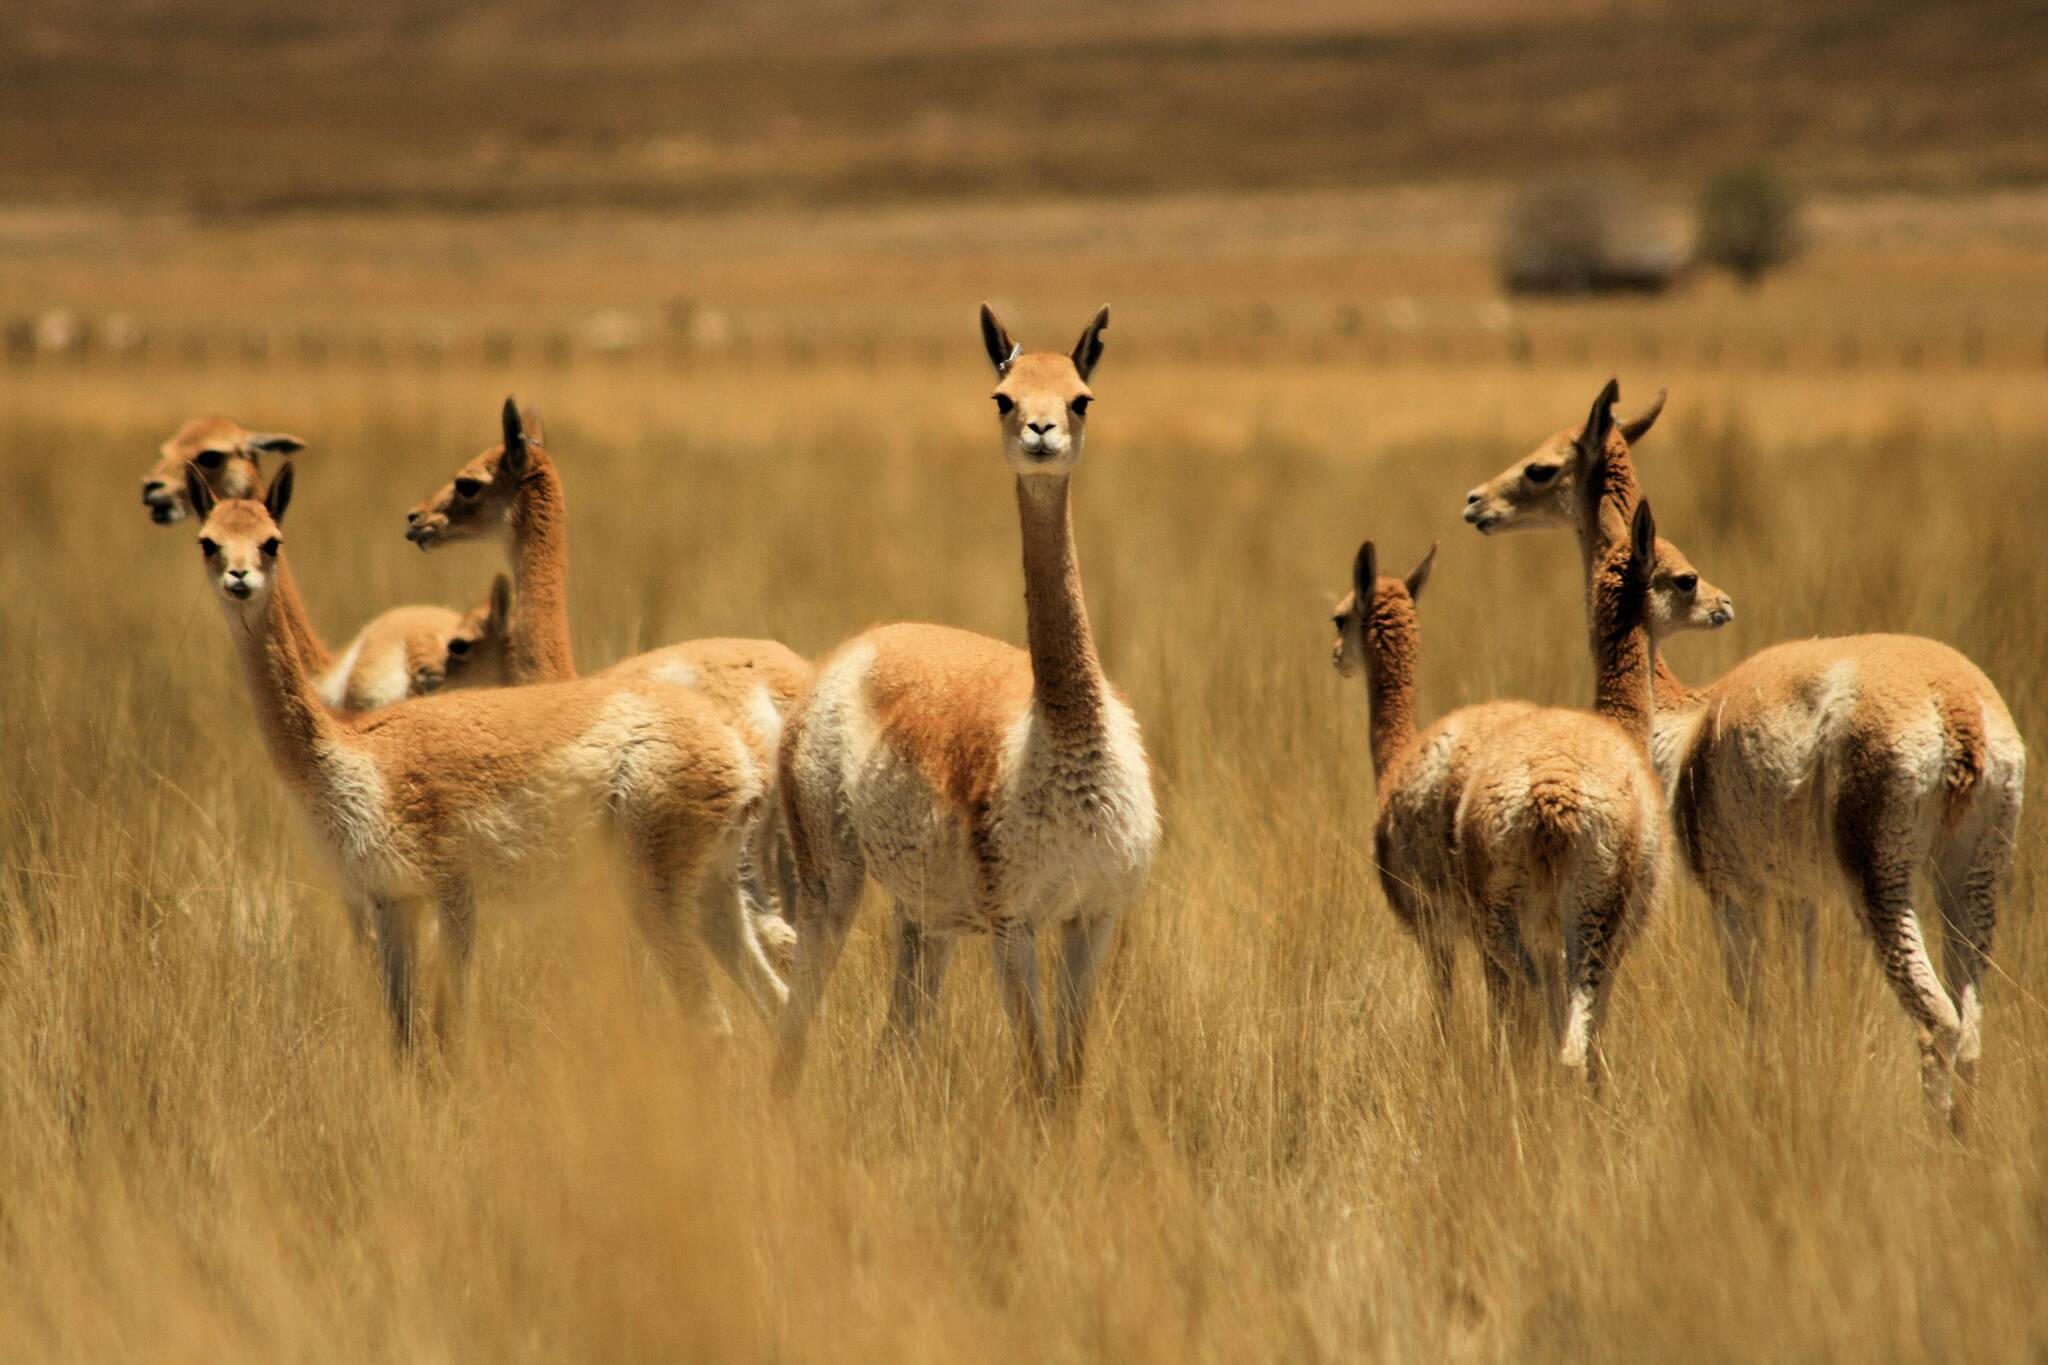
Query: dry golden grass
pixel 209 1152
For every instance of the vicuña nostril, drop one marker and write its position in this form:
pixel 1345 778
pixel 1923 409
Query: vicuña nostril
pixel 1472 497
pixel 412 518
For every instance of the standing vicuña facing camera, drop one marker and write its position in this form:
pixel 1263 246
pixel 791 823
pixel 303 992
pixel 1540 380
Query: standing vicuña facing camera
pixel 989 789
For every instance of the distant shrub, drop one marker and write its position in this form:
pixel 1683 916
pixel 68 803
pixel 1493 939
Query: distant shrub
pixel 1748 223
pixel 1580 236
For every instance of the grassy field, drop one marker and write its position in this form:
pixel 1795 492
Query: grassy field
pixel 209 1152
pixel 741 289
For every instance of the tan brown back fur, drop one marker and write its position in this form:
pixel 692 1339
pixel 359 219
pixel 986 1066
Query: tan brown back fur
pixel 446 798
pixel 752 682
pixel 1852 763
pixel 412 651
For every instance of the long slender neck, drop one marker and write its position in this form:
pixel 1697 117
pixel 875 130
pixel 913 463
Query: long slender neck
pixel 1391 649
pixel 1604 514
pixel 541 647
pixel 1068 686
pixel 284 592
pixel 1622 658
pixel 297 728
pixel 1602 525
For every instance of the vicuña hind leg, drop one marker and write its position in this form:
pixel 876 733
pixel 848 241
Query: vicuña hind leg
pixel 1741 952
pixel 667 882
pixel 1511 1008
pixel 1885 878
pixel 827 898
pixel 1594 931
pixel 1014 946
pixel 1084 947
pixel 1807 916
pixel 397 964
pixel 1440 960
pixel 728 917
pixel 1968 877
pixel 458 943
pixel 772 931
pixel 723 919
pixel 1515 983
pixel 921 961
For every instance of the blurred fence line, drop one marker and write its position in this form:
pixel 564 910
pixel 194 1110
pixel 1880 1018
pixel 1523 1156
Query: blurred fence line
pixel 1350 335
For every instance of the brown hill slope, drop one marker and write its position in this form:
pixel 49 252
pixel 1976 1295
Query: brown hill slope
pixel 229 106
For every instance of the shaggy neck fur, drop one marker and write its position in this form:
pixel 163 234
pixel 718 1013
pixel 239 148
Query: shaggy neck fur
pixel 541 648
pixel 1602 526
pixel 297 728
pixel 1621 647
pixel 297 626
pixel 1393 639
pixel 1067 680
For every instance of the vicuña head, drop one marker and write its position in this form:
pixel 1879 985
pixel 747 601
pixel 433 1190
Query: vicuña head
pixel 227 459
pixel 1042 398
pixel 1539 490
pixel 1547 488
pixel 240 539
pixel 475 652
pixel 1378 612
pixel 478 500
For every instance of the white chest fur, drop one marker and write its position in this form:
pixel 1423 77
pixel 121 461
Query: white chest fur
pixel 1078 823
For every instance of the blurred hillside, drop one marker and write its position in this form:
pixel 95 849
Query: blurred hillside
pixel 233 106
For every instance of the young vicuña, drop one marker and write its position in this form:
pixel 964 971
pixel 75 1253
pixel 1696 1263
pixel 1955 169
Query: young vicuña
pixel 1537 832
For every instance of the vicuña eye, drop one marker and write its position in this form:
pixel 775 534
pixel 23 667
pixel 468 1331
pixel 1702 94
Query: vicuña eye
pixel 269 548
pixel 1080 405
pixel 1540 473
pixel 1686 582
pixel 458 645
pixel 1005 404
pixel 210 459
pixel 469 488
pixel 208 547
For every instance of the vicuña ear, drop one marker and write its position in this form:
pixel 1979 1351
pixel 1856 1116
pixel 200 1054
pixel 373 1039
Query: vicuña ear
pixel 514 461
pixel 1365 575
pixel 1600 421
pixel 1642 549
pixel 198 491
pixel 1419 575
pixel 1002 352
pixel 1088 350
pixel 1636 427
pixel 280 495
pixel 501 606
pixel 536 430
pixel 275 443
